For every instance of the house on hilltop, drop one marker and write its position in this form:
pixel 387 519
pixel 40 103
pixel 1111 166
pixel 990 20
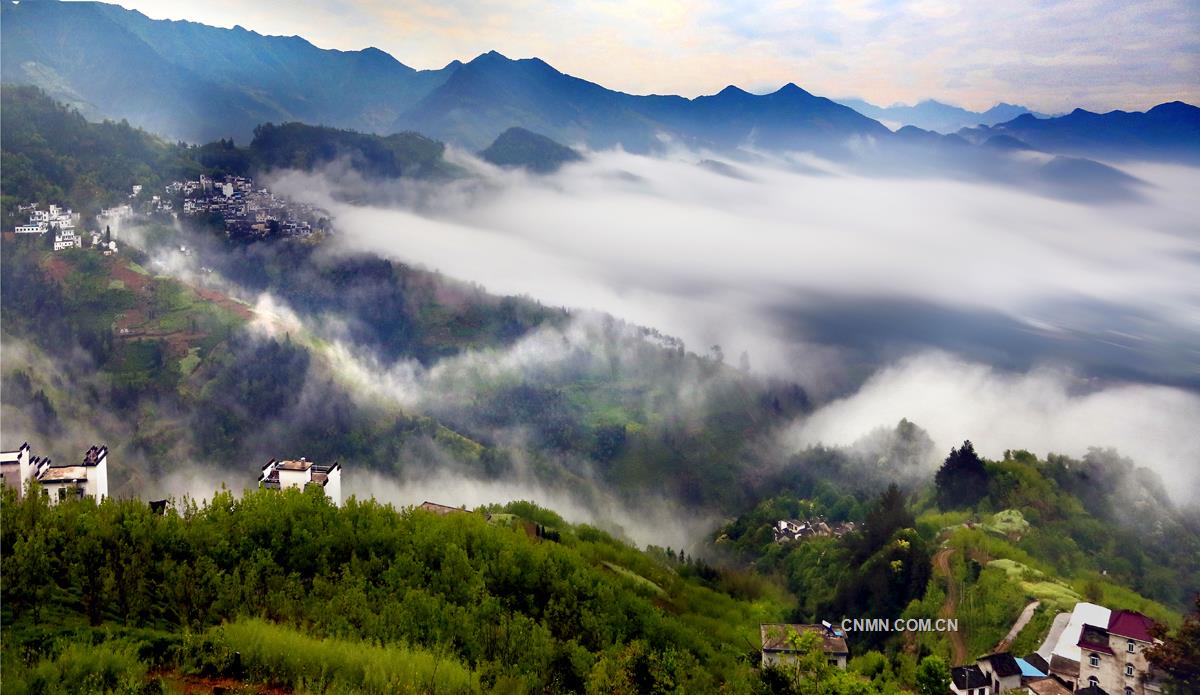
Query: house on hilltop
pixel 778 648
pixel 302 473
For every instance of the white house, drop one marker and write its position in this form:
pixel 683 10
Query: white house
pixel 17 467
pixel 277 475
pixel 31 228
pixel 86 479
pixel 778 648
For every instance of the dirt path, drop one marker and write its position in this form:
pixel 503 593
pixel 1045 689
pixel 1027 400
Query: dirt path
pixel 958 647
pixel 1022 621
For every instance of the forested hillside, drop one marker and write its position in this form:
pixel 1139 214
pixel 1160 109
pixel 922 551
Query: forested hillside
pixel 285 589
pixel 1003 533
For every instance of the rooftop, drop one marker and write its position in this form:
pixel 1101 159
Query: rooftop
pixel 1031 670
pixel 775 637
pixel 1038 662
pixel 967 677
pixel 1132 625
pixel 1065 666
pixel 64 474
pixel 1003 664
pixel 1048 686
pixel 302 465
pixel 439 508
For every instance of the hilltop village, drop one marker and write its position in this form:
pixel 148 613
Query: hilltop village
pixel 244 210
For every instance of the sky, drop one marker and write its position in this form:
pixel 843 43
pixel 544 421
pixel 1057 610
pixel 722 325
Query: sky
pixel 1051 56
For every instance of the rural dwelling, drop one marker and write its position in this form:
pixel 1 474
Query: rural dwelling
pixel 302 473
pixel 969 680
pixel 1002 671
pixel 89 478
pixel 1114 656
pixel 440 509
pixel 777 648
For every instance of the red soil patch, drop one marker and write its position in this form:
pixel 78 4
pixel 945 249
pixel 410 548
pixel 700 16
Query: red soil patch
pixel 132 279
pixel 225 302
pixel 201 685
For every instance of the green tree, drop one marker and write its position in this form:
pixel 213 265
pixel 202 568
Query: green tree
pixel 1178 655
pixel 933 676
pixel 962 480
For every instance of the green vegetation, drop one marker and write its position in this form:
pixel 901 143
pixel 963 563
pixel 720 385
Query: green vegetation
pixel 517 147
pixel 263 652
pixel 286 588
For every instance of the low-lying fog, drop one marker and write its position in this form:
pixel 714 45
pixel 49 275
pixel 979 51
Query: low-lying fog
pixel 981 311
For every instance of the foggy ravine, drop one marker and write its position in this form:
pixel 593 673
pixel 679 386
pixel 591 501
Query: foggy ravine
pixel 978 311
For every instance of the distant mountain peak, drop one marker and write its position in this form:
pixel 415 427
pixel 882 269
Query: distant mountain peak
pixel 732 91
pixel 793 89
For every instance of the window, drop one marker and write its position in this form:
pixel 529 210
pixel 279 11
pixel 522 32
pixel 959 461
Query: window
pixel 1129 669
pixel 1128 690
pixel 1094 660
pixel 1092 680
pixel 1129 646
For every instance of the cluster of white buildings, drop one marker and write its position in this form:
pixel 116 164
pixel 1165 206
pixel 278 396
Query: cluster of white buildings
pixel 248 211
pixel 55 219
pixel 89 478
pixel 798 529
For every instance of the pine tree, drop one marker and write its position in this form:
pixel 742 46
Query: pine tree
pixel 962 480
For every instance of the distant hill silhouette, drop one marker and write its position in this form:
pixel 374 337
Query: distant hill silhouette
pixel 191 81
pixel 1168 131
pixel 518 147
pixel 935 115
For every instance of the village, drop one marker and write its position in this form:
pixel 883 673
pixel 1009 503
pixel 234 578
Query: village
pixel 246 212
pixel 1093 650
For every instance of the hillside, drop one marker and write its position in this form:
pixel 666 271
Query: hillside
pixel 191 81
pixel 51 153
pixel 385 600
pixel 200 83
pixel 517 147
pixel 1056 531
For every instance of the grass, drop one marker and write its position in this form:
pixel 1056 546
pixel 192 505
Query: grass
pixel 1009 522
pixel 108 667
pixel 637 579
pixel 189 362
pixel 1054 595
pixel 272 653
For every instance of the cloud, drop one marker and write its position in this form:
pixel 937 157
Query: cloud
pixel 652 522
pixel 1057 312
pixel 785 265
pixel 1043 410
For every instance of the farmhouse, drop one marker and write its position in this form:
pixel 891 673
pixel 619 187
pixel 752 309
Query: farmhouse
pixel 778 643
pixel 88 478
pixel 969 680
pixel 302 473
